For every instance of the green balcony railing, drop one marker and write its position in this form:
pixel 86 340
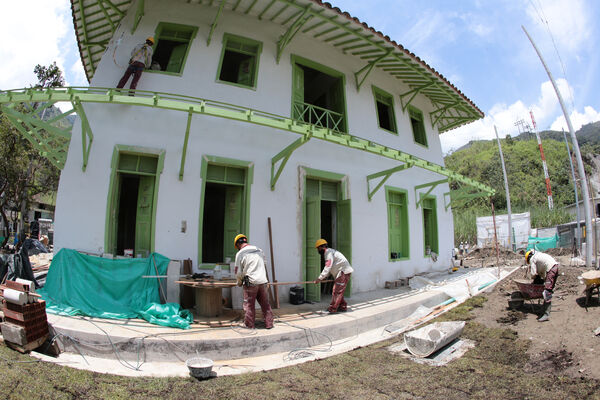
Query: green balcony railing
pixel 319 116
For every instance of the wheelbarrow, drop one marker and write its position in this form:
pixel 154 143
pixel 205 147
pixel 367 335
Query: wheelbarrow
pixel 591 279
pixel 527 292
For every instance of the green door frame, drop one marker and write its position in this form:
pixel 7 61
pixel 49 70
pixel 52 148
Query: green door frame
pixel 248 180
pixel 310 173
pixel 110 237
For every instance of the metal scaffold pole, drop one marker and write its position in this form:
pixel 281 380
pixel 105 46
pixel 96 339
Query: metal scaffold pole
pixel 581 170
pixel 578 230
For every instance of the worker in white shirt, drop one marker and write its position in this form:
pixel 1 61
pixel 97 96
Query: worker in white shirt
pixel 338 266
pixel 251 273
pixel 141 58
pixel 544 266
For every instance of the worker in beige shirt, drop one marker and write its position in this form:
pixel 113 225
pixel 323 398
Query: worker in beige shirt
pixel 251 272
pixel 337 266
pixel 545 267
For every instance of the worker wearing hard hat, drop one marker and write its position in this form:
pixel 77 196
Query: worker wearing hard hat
pixel 251 273
pixel 338 266
pixel 141 58
pixel 544 266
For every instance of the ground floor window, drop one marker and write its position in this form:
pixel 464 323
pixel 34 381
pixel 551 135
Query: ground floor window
pixel 398 244
pixel 430 229
pixel 132 202
pixel 224 207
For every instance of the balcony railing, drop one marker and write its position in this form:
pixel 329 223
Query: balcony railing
pixel 322 117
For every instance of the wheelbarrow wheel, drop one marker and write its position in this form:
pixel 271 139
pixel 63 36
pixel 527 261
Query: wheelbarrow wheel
pixel 516 300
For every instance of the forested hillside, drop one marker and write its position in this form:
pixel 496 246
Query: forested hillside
pixel 480 160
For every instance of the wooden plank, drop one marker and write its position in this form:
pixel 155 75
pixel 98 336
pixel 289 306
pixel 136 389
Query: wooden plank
pixel 29 346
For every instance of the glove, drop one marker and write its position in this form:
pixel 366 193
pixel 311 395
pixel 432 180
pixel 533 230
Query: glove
pixel 547 295
pixel 239 281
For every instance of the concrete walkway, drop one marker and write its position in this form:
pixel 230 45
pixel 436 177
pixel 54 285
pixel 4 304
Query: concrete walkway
pixel 301 333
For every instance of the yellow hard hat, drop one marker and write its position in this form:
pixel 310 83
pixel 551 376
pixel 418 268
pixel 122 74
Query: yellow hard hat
pixel 238 237
pixel 320 242
pixel 528 255
pixel 150 39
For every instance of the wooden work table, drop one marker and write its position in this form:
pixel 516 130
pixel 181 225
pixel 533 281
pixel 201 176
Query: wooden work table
pixel 209 296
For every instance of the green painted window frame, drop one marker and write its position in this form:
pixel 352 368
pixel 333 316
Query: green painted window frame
pixel 405 231
pixel 139 151
pixel 386 99
pixel 296 59
pixel 157 36
pixel 419 134
pixel 249 179
pixel 430 203
pixel 227 38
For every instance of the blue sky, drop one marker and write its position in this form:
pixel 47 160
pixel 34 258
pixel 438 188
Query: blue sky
pixel 476 44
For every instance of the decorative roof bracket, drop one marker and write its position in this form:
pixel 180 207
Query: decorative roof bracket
pixel 139 13
pixel 424 195
pixel 86 132
pixel 284 156
pixel 213 26
pixel 366 70
pixel 440 112
pixel 461 194
pixel 287 37
pixel 386 174
pixel 185 142
pixel 413 93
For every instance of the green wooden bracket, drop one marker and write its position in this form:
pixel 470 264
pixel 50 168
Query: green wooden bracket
pixel 440 112
pixel 412 94
pixel 284 156
pixel 366 70
pixel 287 37
pixel 115 8
pixel 213 26
pixel 139 13
pixel 385 174
pixel 431 185
pixel 51 142
pixel 87 137
pixel 454 196
pixel 185 142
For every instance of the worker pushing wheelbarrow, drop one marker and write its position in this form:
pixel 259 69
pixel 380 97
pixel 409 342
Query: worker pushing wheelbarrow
pixel 544 269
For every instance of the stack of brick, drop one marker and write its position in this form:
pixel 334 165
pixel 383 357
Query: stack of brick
pixel 25 326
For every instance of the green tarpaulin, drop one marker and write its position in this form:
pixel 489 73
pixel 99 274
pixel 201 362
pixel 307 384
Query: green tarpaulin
pixel 80 284
pixel 542 244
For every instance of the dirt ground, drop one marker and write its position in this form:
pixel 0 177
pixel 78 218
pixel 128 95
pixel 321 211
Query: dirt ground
pixel 565 345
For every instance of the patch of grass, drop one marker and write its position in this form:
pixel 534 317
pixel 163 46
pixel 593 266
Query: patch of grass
pixel 491 370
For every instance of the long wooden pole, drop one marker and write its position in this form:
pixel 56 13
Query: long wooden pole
pixel 495 237
pixel 273 263
pixel 294 283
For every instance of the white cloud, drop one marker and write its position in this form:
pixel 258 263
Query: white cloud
pixel 569 21
pixel 32 31
pixel 577 119
pixel 504 117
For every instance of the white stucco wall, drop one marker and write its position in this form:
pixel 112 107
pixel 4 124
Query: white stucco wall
pixel 82 197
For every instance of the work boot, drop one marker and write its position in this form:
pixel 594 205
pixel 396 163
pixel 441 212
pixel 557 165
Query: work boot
pixel 546 315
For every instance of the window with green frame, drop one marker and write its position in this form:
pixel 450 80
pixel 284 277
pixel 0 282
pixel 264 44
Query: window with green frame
pixel 384 106
pixel 239 60
pixel 430 229
pixel 397 223
pixel 418 125
pixel 173 42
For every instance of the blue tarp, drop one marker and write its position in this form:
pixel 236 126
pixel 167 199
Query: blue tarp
pixel 80 284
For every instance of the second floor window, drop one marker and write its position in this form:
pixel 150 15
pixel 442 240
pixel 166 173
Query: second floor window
pixel 173 42
pixel 384 103
pixel 239 61
pixel 418 125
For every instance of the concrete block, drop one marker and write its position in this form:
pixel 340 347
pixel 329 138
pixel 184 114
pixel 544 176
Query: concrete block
pixel 14 333
pixel 173 272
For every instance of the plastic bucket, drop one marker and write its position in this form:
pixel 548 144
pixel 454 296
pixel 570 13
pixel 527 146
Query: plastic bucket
pixel 200 367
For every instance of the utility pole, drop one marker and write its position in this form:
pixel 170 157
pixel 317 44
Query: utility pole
pixel 545 167
pixel 507 193
pixel 578 230
pixel 584 187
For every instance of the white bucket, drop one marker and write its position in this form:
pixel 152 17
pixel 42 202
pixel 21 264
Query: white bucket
pixel 200 367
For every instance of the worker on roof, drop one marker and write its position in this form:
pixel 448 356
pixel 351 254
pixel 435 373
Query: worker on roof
pixel 338 266
pixel 141 58
pixel 251 273
pixel 543 267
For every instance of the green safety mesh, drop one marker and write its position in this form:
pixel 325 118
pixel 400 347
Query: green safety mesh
pixel 80 284
pixel 542 244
